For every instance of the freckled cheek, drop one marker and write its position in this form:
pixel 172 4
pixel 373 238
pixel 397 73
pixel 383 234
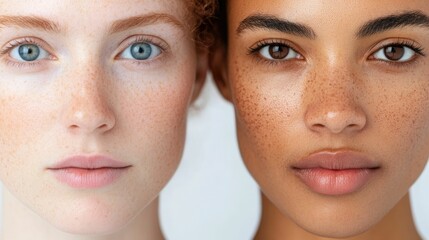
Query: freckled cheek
pixel 406 123
pixel 156 120
pixel 18 118
pixel 23 123
pixel 401 120
pixel 264 110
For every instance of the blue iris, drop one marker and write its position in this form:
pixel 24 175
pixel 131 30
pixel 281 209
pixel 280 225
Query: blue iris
pixel 29 52
pixel 141 51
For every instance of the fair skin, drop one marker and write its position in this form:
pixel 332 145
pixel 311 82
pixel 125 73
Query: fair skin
pixel 73 86
pixel 316 79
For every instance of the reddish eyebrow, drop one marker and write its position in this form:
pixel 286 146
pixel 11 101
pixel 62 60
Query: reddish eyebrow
pixel 124 24
pixel 117 26
pixel 29 22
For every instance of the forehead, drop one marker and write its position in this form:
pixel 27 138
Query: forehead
pixel 321 13
pixel 94 12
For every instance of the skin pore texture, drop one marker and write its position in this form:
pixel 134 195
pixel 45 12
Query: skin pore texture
pixel 86 95
pixel 329 77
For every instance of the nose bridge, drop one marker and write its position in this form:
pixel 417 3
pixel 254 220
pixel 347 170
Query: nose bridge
pixel 88 108
pixel 332 100
pixel 332 85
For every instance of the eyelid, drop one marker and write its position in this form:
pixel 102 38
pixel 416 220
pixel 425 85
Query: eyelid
pixel 7 48
pixel 256 47
pixel 254 52
pixel 413 45
pixel 141 38
pixel 266 42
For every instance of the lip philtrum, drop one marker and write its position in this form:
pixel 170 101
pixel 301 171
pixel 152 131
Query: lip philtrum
pixel 335 172
pixel 88 171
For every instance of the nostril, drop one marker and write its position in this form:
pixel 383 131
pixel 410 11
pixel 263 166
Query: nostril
pixel 335 118
pixel 103 126
pixel 318 125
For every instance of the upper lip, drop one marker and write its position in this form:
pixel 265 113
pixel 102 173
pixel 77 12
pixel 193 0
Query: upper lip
pixel 89 162
pixel 336 160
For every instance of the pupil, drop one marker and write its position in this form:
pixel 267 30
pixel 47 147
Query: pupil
pixel 29 52
pixel 141 51
pixel 278 51
pixel 394 53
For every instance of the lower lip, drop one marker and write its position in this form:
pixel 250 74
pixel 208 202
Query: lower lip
pixel 335 182
pixel 88 178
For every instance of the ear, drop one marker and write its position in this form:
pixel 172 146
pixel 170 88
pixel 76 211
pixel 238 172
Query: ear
pixel 201 74
pixel 218 66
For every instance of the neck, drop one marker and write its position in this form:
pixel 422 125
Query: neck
pixel 21 223
pixel 398 224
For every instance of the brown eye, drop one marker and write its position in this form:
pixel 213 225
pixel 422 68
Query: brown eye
pixel 278 52
pixel 394 52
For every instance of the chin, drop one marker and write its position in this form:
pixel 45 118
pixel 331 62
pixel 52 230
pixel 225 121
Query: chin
pixel 338 231
pixel 339 225
pixel 93 226
pixel 96 218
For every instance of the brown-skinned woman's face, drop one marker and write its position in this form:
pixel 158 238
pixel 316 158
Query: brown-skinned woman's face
pixel 332 105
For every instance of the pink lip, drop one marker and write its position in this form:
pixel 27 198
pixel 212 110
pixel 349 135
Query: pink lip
pixel 335 172
pixel 88 171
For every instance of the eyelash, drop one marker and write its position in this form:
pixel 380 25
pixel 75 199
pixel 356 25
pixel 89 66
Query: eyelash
pixel 5 51
pixel 151 40
pixel 418 49
pixel 254 50
pixel 143 39
pixel 21 41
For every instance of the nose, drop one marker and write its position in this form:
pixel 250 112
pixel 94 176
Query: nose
pixel 333 107
pixel 88 110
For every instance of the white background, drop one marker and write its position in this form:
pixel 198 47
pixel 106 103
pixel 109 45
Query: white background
pixel 212 196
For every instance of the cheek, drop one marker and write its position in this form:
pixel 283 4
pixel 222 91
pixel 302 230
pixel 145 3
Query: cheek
pixel 19 137
pixel 154 120
pixel 264 107
pixel 402 120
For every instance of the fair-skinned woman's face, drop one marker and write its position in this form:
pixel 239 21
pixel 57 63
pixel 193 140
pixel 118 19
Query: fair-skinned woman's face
pixel 332 105
pixel 93 105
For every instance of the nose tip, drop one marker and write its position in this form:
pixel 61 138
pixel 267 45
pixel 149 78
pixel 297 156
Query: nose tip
pixel 88 111
pixel 337 121
pixel 91 120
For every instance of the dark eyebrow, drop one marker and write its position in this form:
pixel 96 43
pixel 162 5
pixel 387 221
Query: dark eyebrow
pixel 413 18
pixel 136 21
pixel 29 22
pixel 274 23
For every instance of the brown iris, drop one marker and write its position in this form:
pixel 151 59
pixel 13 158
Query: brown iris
pixel 278 51
pixel 394 52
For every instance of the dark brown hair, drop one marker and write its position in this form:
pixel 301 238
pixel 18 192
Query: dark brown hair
pixel 219 26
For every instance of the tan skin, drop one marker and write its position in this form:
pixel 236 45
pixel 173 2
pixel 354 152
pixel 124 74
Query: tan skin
pixel 333 87
pixel 86 94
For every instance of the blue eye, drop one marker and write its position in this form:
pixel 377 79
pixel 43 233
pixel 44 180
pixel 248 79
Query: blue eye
pixel 28 53
pixel 141 51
